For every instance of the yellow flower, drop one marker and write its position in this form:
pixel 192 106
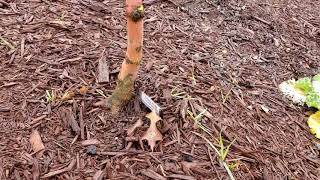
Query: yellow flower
pixel 314 124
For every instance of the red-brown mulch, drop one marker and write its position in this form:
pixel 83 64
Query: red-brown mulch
pixel 227 56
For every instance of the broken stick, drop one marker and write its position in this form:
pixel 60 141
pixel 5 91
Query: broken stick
pixel 66 169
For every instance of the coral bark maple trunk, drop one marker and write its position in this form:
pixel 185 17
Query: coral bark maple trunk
pixel 131 64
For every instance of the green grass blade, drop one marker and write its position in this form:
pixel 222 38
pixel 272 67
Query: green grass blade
pixel 227 149
pixel 211 145
pixel 228 170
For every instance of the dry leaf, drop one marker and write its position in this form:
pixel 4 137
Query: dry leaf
pixel 131 130
pixel 36 142
pixel 152 135
pixel 83 90
pixel 68 95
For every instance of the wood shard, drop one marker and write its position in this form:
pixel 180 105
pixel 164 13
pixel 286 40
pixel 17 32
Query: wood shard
pixel 36 142
pixel 67 116
pixel 151 174
pixel 103 69
pixel 90 142
pixel 36 120
pixel 81 120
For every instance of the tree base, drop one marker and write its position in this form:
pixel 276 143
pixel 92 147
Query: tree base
pixel 122 94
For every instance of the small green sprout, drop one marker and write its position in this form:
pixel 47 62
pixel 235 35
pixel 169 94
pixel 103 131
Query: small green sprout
pixel 197 120
pixel 234 165
pixel 225 97
pixel 177 94
pixel 222 152
pixel 50 96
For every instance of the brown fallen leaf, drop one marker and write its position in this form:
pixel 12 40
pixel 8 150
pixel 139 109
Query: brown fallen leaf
pixel 83 90
pixel 152 135
pixel 131 130
pixel 68 95
pixel 36 142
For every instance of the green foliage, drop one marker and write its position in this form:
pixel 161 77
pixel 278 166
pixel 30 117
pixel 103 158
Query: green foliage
pixel 313 99
pixel 304 84
pixel 305 90
pixel 222 152
pixel 197 120
pixel 316 77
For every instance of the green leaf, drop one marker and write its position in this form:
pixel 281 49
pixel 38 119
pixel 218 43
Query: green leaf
pixel 228 148
pixel 221 147
pixel 304 84
pixel 316 77
pixel 313 99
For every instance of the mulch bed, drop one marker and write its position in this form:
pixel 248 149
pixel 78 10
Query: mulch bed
pixel 226 56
